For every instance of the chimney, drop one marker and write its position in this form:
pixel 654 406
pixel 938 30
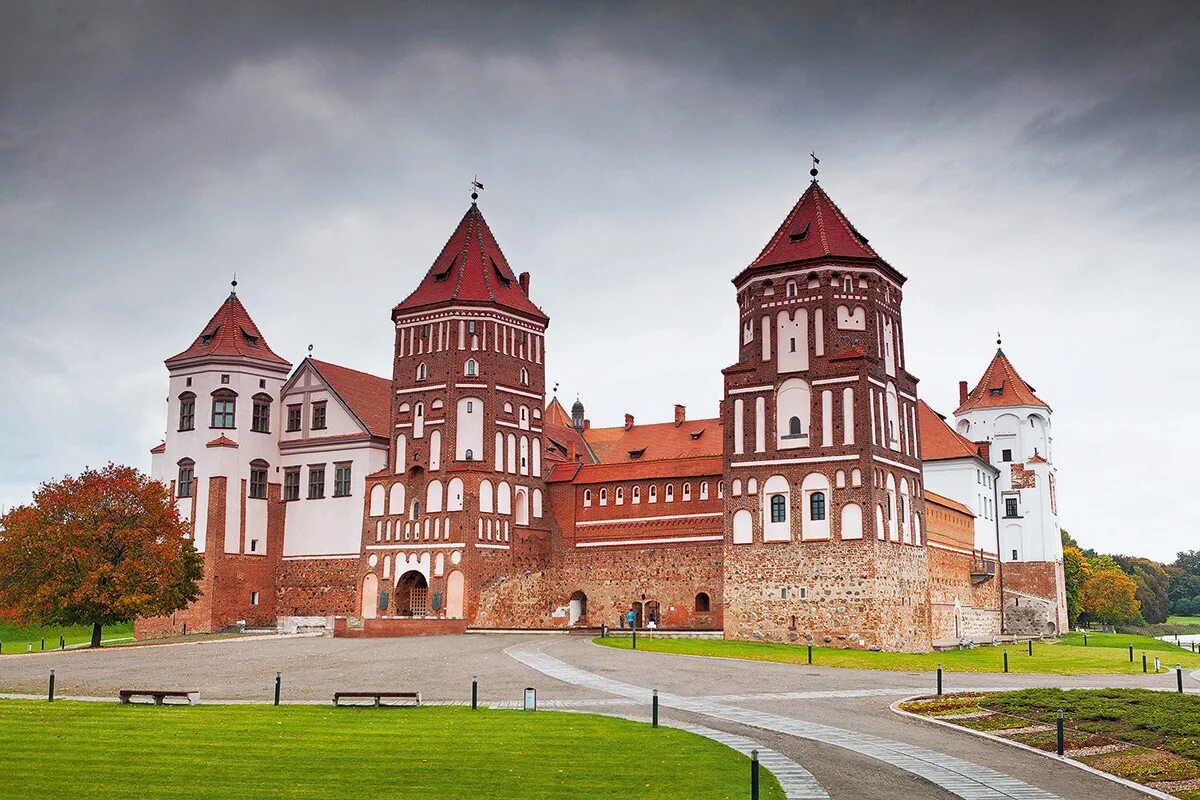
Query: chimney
pixel 523 279
pixel 628 421
pixel 962 392
pixel 680 415
pixel 587 424
pixel 571 456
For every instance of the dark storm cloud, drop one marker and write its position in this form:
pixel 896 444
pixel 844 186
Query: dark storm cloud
pixel 1029 166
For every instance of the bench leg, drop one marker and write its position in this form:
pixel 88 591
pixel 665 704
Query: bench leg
pixel 377 700
pixel 158 699
pixel 124 700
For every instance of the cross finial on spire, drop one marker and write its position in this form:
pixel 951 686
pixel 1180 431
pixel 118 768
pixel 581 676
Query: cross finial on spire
pixel 556 388
pixel 998 350
pixel 476 188
pixel 233 284
pixel 815 161
pixel 310 348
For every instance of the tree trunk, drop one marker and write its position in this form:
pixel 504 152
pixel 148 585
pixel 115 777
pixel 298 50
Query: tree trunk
pixel 96 628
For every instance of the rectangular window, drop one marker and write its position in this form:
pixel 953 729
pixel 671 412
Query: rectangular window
pixel 1010 506
pixel 187 479
pixel 341 480
pixel 318 416
pixel 222 416
pixel 258 483
pixel 1014 558
pixel 187 414
pixel 316 483
pixel 260 421
pixel 293 419
pixel 254 598
pixel 291 484
pixel 1006 455
pixel 471 327
pixel 254 545
pixel 224 379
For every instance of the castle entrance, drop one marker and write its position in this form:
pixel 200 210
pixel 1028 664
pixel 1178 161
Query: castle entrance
pixel 412 594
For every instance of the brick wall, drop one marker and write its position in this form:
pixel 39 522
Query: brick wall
pixel 1035 598
pixel 316 587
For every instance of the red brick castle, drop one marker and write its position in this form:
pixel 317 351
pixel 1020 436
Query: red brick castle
pixel 454 496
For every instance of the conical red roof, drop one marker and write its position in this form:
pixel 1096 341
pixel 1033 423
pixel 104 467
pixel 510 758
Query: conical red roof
pixel 1000 387
pixel 230 333
pixel 815 228
pixel 472 269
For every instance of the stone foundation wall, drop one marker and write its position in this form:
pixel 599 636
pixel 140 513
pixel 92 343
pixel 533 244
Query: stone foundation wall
pixel 1025 582
pixel 316 587
pixel 861 594
pixel 977 613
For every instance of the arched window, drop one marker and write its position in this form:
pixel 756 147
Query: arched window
pixel 816 506
pixel 422 371
pixel 791 288
pixel 604 497
pixel 687 491
pixel 703 603
pixel 187 478
pixel 620 495
pixel 653 494
pixel 778 508
pixel 587 497
pixel 794 427
pixel 524 377
pixel 472 368
pixel 704 490
pixel 223 406
pixel 637 494
pixel 187 411
pixel 415 513
pixel 470 454
pixel 720 490
pixel 670 493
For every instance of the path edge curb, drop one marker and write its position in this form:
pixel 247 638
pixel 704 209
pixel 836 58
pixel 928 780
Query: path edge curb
pixel 1137 787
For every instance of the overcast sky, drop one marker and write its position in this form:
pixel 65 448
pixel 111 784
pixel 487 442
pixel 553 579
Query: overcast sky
pixel 1031 169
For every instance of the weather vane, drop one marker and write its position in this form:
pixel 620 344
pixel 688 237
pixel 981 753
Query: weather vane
pixel 476 188
pixel 310 350
pixel 233 283
pixel 556 388
pixel 815 161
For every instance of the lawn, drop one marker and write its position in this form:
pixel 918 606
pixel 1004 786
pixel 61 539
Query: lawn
pixel 1183 620
pixel 1105 653
pixel 14 639
pixel 67 749
pixel 1148 737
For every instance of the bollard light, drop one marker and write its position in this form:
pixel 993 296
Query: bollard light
pixel 654 709
pixel 810 654
pixel 278 685
pixel 1006 661
pixel 753 775
pixel 1131 652
pixel 634 632
pixel 530 699
pixel 474 692
pixel 1144 663
pixel 50 696
pixel 1157 664
pixel 1179 677
pixel 1060 733
pixel 939 680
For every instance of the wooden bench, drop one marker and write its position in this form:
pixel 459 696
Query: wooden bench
pixel 159 695
pixel 378 697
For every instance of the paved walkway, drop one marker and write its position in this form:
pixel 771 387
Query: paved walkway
pixel 961 778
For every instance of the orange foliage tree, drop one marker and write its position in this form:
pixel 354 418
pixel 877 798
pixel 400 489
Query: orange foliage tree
pixel 1110 596
pixel 101 548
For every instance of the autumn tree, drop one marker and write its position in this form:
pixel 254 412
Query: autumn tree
pixel 1152 581
pixel 1076 570
pixel 97 549
pixel 1109 596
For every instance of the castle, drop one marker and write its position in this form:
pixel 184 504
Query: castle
pixel 824 503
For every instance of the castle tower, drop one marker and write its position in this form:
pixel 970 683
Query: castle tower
pixel 463 501
pixel 824 517
pixel 220 457
pixel 1003 413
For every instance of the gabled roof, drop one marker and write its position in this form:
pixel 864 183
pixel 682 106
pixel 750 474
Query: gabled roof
pixel 230 333
pixel 368 396
pixel 939 441
pixel 556 414
pixel 1000 387
pixel 650 470
pixel 657 441
pixel 471 269
pixel 815 228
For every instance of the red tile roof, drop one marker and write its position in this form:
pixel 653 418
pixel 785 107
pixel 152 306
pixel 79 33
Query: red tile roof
pixel 556 415
pixel 933 497
pixel 1000 387
pixel 367 395
pixel 563 472
pixel 222 441
pixel 662 440
pixel 649 470
pixel 230 333
pixel 161 447
pixel 472 269
pixel 938 440
pixel 815 228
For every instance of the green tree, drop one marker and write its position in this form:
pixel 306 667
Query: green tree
pixel 1188 561
pixel 1076 570
pixel 1153 583
pixel 101 548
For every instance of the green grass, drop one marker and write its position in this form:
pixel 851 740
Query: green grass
pixel 1183 620
pixel 14 639
pixel 104 750
pixel 1105 653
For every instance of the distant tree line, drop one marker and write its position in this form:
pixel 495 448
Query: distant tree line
pixel 1128 590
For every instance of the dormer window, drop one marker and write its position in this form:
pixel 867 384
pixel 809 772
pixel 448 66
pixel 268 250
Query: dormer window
pixel 250 338
pixel 637 453
pixel 801 236
pixel 996 391
pixel 206 338
pixel 697 434
pixel 504 281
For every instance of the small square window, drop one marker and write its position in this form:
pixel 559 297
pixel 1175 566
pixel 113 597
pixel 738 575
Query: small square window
pixel 1006 455
pixel 189 381
pixel 224 379
pixel 262 383
pixel 1014 558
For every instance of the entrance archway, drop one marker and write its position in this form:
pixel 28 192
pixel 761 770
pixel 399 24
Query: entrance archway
pixel 578 608
pixel 412 594
pixel 652 613
pixel 637 615
pixel 370 596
